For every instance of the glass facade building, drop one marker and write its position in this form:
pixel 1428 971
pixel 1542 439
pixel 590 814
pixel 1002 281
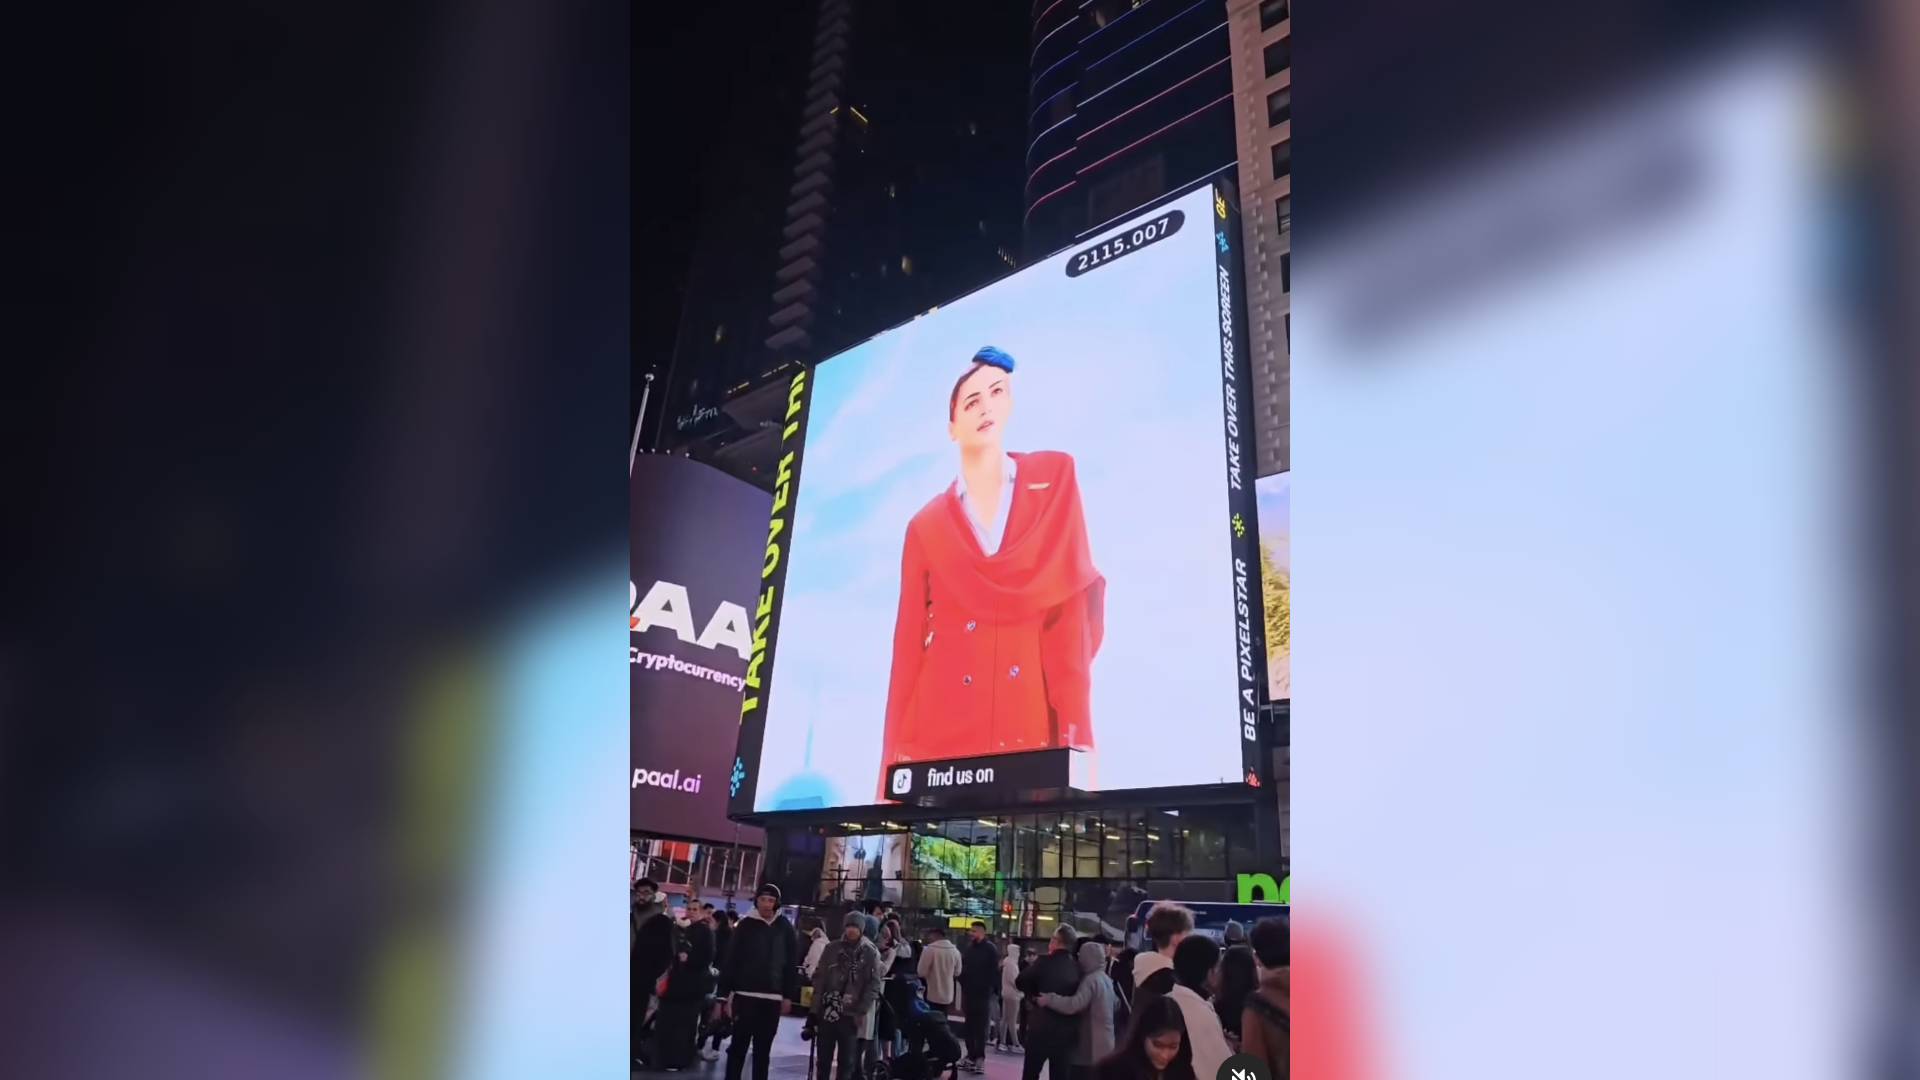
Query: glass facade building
pixel 1026 871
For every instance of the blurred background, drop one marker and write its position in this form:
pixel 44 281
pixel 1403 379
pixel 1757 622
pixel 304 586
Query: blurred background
pixel 316 461
pixel 324 320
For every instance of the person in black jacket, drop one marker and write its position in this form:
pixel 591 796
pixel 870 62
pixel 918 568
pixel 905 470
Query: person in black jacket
pixel 1051 1037
pixel 760 976
pixel 689 981
pixel 979 978
pixel 651 952
pixel 715 1030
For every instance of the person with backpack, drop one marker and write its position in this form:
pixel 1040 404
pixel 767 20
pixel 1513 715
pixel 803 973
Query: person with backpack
pixel 846 987
pixel 1265 1026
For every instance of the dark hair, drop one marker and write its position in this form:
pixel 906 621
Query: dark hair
pixel 977 925
pixel 646 883
pixel 935 931
pixel 1238 980
pixel 1193 959
pixel 1156 1016
pixel 1166 920
pixel 1271 940
pixel 953 399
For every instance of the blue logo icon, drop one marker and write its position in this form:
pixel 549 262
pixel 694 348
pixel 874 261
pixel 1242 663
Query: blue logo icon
pixel 1223 242
pixel 734 781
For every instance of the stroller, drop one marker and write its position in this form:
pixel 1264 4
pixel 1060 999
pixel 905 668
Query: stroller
pixel 932 1048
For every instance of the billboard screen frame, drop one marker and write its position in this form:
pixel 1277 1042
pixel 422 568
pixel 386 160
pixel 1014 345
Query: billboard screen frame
pixel 1230 361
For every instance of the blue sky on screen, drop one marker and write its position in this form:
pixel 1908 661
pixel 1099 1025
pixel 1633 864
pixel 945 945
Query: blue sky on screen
pixel 1118 367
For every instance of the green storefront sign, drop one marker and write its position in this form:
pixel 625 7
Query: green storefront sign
pixel 1262 889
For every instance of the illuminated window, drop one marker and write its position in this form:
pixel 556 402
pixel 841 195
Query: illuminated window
pixel 892 189
pixel 720 333
pixel 906 265
pixel 973 128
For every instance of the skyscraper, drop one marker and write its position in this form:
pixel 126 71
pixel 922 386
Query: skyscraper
pixel 1261 32
pixel 863 178
pixel 1131 100
pixel 1128 100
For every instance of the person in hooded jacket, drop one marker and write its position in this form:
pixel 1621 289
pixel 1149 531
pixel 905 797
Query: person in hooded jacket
pixel 846 988
pixel 1010 998
pixel 1051 1035
pixel 760 976
pixel 1095 1003
pixel 1169 925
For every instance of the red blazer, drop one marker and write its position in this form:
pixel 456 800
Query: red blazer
pixel 992 654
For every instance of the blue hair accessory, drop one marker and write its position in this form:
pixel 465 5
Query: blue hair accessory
pixel 994 358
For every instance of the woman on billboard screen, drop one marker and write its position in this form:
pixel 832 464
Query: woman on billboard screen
pixel 1001 608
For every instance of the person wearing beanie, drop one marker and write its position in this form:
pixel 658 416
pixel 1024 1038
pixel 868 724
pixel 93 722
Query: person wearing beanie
pixel 1236 934
pixel 846 991
pixel 1001 609
pixel 761 974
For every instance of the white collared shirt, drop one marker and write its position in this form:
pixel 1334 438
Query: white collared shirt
pixel 994 531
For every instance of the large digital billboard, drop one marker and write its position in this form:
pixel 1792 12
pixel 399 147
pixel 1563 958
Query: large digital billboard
pixel 691 585
pixel 1014 542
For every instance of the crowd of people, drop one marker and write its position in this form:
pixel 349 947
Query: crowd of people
pixel 1085 1009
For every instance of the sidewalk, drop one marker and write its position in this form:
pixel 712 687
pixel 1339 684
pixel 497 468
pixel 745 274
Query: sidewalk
pixel 790 1060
